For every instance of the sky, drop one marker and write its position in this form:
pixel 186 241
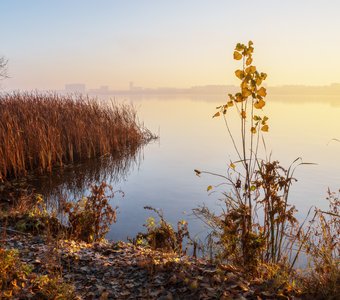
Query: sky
pixel 158 43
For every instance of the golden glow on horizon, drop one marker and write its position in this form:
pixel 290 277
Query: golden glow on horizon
pixel 175 44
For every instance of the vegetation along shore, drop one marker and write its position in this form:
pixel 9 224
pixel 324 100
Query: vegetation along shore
pixel 250 251
pixel 42 131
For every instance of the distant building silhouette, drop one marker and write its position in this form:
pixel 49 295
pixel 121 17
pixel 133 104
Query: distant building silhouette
pixel 133 88
pixel 212 89
pixel 75 88
pixel 104 89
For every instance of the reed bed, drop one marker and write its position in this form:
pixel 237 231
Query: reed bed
pixel 41 131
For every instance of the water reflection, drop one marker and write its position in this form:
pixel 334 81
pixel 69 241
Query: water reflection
pixel 73 181
pixel 161 174
pixel 332 100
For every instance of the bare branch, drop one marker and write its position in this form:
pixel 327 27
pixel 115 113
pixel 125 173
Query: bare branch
pixel 3 68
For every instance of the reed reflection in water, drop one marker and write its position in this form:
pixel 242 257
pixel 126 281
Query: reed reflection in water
pixel 72 182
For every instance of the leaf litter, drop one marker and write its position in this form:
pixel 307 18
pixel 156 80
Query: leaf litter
pixel 119 270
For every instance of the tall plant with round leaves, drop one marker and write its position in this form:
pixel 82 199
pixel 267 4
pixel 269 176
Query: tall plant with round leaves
pixel 248 102
pixel 247 235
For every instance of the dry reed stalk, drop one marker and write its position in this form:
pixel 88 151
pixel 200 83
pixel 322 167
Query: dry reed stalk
pixel 41 131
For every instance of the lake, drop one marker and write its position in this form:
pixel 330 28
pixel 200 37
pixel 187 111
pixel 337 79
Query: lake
pixel 162 176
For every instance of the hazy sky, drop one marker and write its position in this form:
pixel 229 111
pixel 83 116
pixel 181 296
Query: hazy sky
pixel 158 43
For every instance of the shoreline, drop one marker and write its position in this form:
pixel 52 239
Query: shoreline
pixel 118 270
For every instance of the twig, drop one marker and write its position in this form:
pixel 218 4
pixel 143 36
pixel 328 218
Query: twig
pixel 14 231
pixel 329 213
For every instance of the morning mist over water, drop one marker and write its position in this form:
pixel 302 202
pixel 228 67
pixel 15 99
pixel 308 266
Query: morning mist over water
pixel 162 175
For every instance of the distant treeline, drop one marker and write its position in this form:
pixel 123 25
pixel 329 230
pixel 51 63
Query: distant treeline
pixel 333 89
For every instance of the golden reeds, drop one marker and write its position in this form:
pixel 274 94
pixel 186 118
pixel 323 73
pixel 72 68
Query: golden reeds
pixel 41 131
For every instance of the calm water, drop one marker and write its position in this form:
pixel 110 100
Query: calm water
pixel 163 176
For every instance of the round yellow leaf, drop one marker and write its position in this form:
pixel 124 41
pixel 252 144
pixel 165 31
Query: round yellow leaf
pixel 239 97
pixel 246 93
pixel 262 92
pixel 263 76
pixel 239 47
pixel 251 69
pixel 265 128
pixel 237 55
pixel 258 81
pixel 239 74
pixel 259 104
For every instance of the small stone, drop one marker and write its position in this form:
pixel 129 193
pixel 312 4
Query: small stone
pixel 240 297
pixel 100 289
pixel 168 296
pixel 68 276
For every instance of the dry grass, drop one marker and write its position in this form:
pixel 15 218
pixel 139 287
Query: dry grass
pixel 322 245
pixel 19 281
pixel 41 131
